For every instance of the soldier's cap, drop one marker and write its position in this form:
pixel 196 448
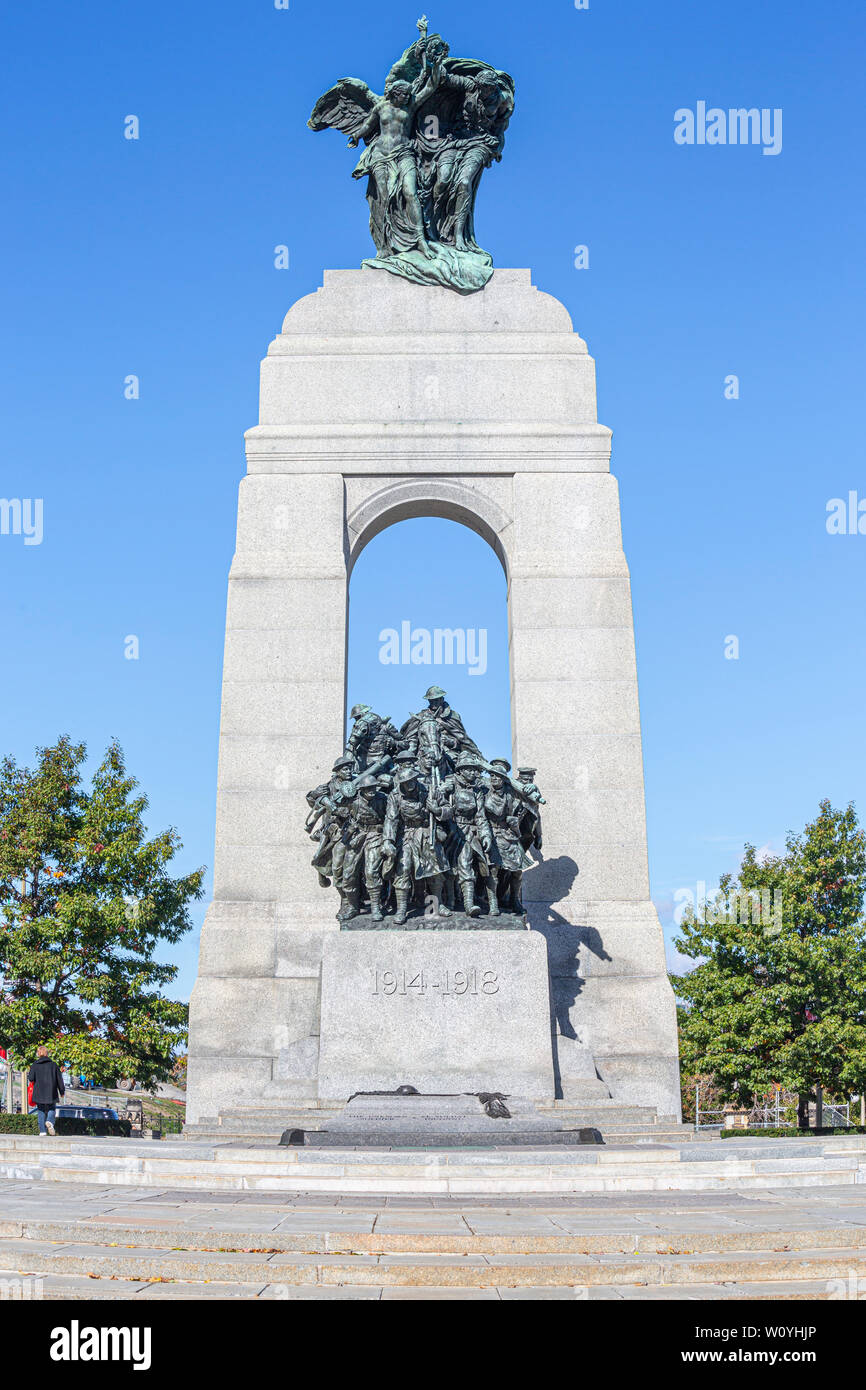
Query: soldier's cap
pixel 345 761
pixel 368 783
pixel 501 762
pixel 357 710
pixel 526 771
pixel 466 760
pixel 407 774
pixel 405 757
pixel 435 693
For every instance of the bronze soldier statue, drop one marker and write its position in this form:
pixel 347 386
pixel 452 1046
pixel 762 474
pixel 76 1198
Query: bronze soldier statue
pixel 422 807
pixel 410 840
pixel 327 805
pixel 471 834
pixel 364 850
pixel 453 737
pixel 530 815
pixel 503 808
pixel 372 736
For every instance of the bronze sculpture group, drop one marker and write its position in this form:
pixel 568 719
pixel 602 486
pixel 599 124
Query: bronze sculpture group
pixel 415 821
pixel 428 138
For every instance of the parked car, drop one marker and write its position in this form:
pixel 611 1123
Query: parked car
pixel 86 1112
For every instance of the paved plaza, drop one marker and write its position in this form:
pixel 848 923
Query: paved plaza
pixel 71 1241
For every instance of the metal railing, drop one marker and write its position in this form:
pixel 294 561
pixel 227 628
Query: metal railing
pixel 764 1115
pixel 699 1113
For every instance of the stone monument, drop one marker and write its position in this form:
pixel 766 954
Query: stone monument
pixel 440 388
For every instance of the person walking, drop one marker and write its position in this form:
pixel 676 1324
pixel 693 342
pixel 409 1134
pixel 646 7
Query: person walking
pixel 48 1088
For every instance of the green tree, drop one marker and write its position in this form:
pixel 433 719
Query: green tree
pixel 779 993
pixel 85 901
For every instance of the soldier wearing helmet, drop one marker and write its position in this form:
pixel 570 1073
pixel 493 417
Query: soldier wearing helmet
pixel 372 736
pixel 364 851
pixel 503 807
pixel 411 841
pixel 471 838
pixel 453 737
pixel 327 821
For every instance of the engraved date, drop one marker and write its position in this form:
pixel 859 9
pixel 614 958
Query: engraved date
pixel 469 981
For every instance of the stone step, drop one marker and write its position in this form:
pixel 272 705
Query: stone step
pixel 515 1236
pixel 70 1287
pixel 611 1134
pixel 729 1165
pixel 604 1115
pixel 250 1267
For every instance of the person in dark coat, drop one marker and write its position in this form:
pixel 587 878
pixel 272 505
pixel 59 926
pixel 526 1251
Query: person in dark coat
pixel 48 1088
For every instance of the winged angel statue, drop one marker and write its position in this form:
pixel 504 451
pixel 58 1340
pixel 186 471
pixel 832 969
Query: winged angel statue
pixel 439 124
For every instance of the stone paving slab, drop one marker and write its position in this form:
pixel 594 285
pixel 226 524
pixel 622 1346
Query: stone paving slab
pixel 73 1200
pixel 67 1287
pixel 327 1238
pixel 418 1270
pixel 432 1294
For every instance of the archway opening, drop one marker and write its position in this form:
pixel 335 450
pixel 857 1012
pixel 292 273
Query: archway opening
pixel 428 606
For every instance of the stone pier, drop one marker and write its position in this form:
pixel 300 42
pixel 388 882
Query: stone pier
pixel 382 400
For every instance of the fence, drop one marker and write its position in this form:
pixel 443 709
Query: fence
pixel 699 1113
pixel 13 1089
pixel 833 1115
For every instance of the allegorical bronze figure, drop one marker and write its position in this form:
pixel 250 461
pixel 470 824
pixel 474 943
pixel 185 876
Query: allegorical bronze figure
pixel 438 125
pixel 417 824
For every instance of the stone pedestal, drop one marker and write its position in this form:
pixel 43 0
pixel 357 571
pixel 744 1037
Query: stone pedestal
pixel 382 400
pixel 441 1121
pixel 441 1011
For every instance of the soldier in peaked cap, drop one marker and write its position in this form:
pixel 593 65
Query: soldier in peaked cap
pixel 530 815
pixel 526 775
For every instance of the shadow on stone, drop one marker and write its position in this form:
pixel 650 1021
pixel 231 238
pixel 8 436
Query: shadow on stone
pixel 565 940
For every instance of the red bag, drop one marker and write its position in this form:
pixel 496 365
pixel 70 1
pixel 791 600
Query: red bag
pixel 30 1093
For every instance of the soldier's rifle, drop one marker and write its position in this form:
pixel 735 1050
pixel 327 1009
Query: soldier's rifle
pixel 518 787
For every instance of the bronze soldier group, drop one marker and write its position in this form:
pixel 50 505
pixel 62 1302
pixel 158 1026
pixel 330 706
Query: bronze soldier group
pixel 415 820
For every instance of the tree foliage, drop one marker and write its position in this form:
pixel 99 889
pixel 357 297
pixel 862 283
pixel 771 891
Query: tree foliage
pixel 779 995
pixel 85 901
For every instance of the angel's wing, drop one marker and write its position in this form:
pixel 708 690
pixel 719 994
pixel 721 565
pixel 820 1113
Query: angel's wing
pixel 346 105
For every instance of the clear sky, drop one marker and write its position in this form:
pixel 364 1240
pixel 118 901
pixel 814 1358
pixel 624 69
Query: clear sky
pixel 155 257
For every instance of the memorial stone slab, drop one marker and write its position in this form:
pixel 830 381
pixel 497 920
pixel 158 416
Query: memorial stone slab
pixel 443 1012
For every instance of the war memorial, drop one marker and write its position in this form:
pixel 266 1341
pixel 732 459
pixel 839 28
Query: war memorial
pixel 432 1042
pixel 446 918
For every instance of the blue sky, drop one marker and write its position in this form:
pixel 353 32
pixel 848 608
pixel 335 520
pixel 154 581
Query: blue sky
pixel 155 257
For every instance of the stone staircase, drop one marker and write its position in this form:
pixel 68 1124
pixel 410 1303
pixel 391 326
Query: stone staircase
pixel 171 1245
pixel 732 1165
